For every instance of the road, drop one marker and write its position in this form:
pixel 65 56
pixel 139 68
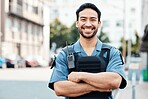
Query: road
pixel 26 83
pixel 31 83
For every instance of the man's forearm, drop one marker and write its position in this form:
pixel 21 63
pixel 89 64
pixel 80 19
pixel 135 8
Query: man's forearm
pixel 72 89
pixel 103 80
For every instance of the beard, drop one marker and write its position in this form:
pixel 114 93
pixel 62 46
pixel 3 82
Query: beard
pixel 90 36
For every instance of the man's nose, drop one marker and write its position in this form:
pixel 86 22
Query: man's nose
pixel 88 23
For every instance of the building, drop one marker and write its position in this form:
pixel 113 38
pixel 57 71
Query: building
pixel 24 29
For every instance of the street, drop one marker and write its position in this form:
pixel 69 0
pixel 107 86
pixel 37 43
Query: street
pixel 31 83
pixel 25 83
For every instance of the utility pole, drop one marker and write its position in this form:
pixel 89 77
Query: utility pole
pixel 124 30
pixel 0 26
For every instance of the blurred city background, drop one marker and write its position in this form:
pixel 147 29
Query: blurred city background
pixel 33 31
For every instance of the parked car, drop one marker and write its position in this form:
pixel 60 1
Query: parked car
pixel 2 61
pixel 30 61
pixel 15 61
pixel 41 62
pixel 9 63
pixel 11 60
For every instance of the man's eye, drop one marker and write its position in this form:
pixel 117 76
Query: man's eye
pixel 93 19
pixel 82 19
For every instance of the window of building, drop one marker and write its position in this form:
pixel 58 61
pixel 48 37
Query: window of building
pixel 9 23
pixel 38 30
pixel 35 10
pixel 32 32
pixel 23 26
pixel 17 25
pixel 22 29
pixel 26 27
pixel 19 2
pixel 34 29
pixel 41 32
pixel 29 28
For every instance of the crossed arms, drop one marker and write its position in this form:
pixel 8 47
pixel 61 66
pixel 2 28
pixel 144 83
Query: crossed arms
pixel 80 83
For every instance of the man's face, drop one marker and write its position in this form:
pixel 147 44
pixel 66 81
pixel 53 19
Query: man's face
pixel 88 23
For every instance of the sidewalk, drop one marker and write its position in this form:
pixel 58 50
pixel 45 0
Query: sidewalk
pixel 141 91
pixel 26 74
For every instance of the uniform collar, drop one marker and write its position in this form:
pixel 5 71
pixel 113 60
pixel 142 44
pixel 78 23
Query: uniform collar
pixel 78 47
pixel 99 45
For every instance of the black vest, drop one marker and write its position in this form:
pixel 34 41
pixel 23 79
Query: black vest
pixel 92 64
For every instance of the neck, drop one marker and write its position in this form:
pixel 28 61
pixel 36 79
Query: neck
pixel 88 43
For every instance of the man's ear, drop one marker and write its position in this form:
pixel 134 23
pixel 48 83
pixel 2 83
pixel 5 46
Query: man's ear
pixel 77 24
pixel 99 23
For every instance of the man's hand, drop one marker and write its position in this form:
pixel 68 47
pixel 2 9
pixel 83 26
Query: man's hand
pixel 74 77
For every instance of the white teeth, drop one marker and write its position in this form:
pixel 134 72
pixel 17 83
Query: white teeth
pixel 88 28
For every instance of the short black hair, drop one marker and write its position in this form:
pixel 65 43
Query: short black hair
pixel 88 5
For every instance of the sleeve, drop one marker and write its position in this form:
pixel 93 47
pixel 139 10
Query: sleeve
pixel 60 70
pixel 116 65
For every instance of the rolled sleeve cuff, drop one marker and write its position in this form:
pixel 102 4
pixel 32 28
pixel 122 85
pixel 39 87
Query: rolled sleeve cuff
pixel 51 83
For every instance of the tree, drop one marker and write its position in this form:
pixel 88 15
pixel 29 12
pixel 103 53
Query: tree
pixel 73 36
pixel 134 46
pixel 58 33
pixel 103 37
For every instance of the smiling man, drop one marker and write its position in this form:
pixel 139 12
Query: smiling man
pixel 98 67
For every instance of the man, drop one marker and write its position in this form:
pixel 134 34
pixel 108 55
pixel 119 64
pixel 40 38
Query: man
pixel 88 85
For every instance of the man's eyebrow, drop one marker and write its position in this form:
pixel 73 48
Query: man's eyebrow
pixel 82 17
pixel 93 17
pixel 90 17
